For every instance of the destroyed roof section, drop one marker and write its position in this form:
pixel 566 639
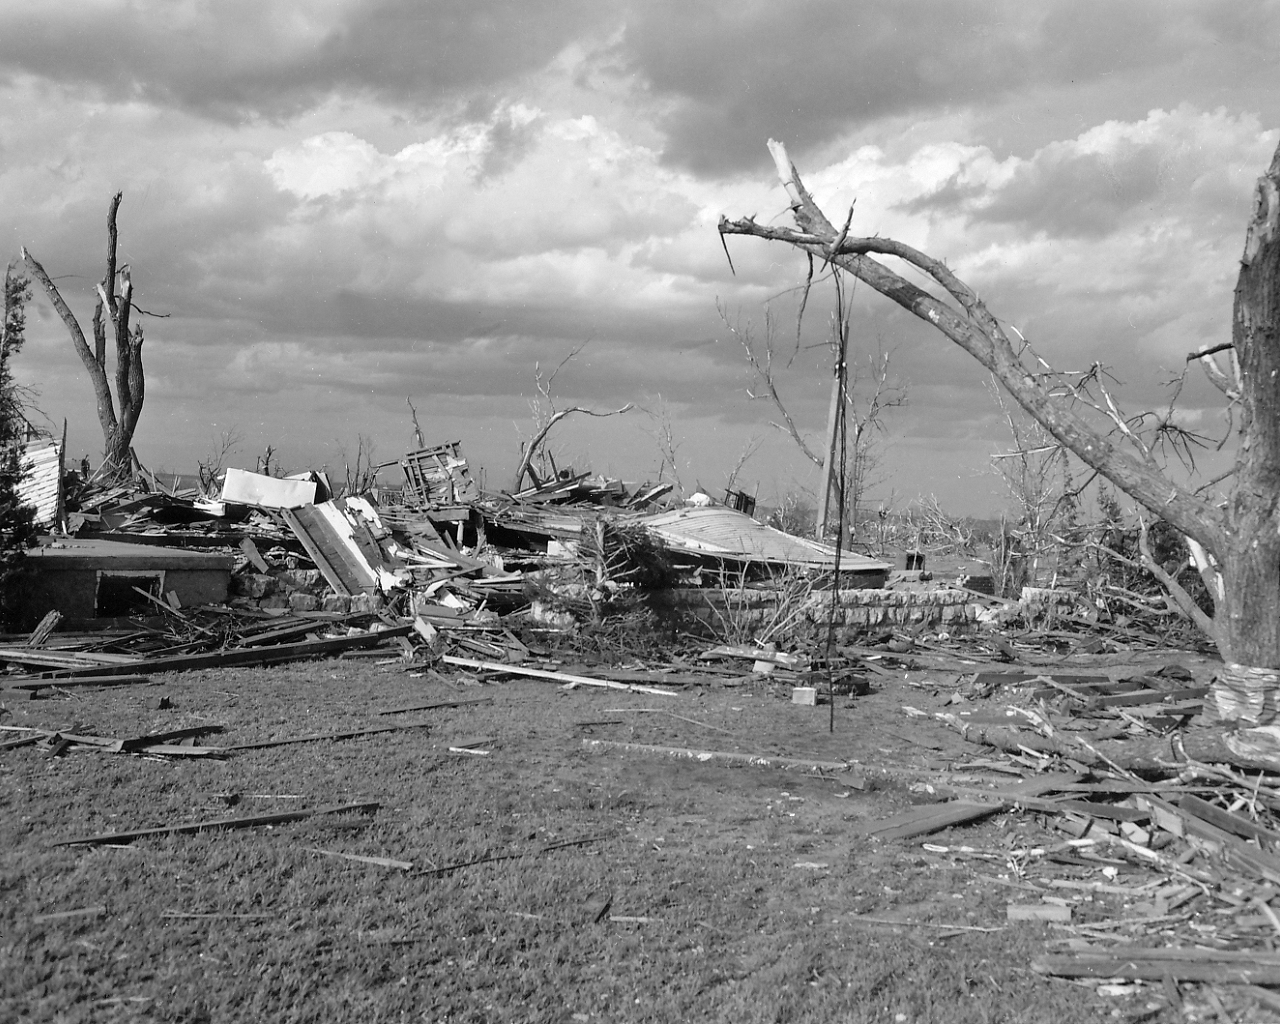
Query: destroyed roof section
pixel 723 533
pixel 334 550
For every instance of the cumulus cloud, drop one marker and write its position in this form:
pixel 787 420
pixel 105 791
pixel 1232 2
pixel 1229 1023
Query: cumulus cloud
pixel 340 203
pixel 553 220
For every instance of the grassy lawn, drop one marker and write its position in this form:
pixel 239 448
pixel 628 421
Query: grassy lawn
pixel 695 890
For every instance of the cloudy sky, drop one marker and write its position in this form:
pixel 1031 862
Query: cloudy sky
pixel 340 204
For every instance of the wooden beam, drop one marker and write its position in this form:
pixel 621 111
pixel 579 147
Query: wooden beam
pixel 558 677
pixel 763 760
pixel 433 705
pixel 218 823
pixel 246 656
pixel 343 734
pixel 67 682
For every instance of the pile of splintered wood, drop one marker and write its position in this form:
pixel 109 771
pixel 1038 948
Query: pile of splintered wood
pixel 1165 862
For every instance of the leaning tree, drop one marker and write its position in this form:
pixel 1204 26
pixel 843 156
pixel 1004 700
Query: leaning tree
pixel 115 303
pixel 1237 541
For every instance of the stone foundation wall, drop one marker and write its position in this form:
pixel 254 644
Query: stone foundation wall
pixel 297 590
pixel 857 610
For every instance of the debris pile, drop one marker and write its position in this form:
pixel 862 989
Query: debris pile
pixel 1149 846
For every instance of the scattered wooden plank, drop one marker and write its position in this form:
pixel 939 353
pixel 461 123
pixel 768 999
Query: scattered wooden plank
pixel 252 821
pixel 46 626
pixel 34 683
pixel 762 760
pixel 1089 808
pixel 274 636
pixel 179 750
pixel 1226 820
pixel 341 734
pixel 1235 852
pixel 752 654
pixel 921 821
pixel 1136 697
pixel 382 862
pixel 536 851
pixel 70 661
pixel 156 738
pixel 155 743
pixel 245 656
pixel 597 909
pixel 1067 680
pixel 558 677
pixel 433 705
pixel 1207 967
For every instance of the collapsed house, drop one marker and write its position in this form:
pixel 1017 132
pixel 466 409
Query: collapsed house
pixel 435 550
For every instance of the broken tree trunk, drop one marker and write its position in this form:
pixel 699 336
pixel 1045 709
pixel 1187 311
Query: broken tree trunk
pixel 1243 538
pixel 115 295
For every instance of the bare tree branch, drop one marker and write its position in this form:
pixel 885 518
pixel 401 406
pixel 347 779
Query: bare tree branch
pixel 1185 602
pixel 973 328
pixel 555 416
pixel 764 372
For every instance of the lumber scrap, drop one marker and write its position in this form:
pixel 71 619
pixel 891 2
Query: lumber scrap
pixel 246 656
pixel 253 821
pixel 1183 820
pixel 69 661
pixel 435 704
pixel 922 821
pixel 1037 785
pixel 382 862
pixel 341 734
pixel 46 626
pixel 1227 820
pixel 68 682
pixel 928 818
pixel 563 844
pixel 154 743
pixel 752 654
pixel 763 760
pixel 558 677
pixel 1203 965
pixel 1144 696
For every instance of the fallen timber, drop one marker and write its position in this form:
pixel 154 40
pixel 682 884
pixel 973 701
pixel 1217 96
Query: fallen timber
pixel 237 657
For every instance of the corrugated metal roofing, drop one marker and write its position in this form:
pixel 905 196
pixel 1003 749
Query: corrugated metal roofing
pixel 39 487
pixel 722 532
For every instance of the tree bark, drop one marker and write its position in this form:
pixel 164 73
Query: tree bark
pixel 1244 538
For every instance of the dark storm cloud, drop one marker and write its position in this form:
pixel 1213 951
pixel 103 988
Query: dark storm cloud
pixel 803 72
pixel 1078 195
pixel 238 59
